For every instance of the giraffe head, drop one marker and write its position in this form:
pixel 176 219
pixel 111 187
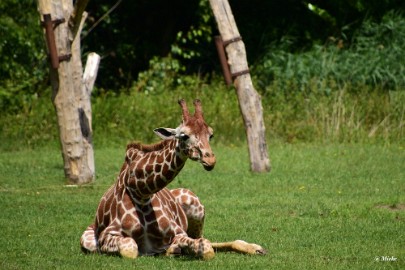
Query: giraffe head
pixel 193 135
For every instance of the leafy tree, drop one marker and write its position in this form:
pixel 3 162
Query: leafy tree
pixel 133 34
pixel 23 64
pixel 139 30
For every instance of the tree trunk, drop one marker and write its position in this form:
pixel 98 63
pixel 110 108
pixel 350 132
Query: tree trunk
pixel 249 100
pixel 70 94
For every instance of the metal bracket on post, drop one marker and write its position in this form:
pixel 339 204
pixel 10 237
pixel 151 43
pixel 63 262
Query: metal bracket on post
pixel 223 60
pixel 232 40
pixel 239 73
pixel 65 57
pixel 221 45
pixel 49 26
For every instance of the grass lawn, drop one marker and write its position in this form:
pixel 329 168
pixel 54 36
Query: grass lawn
pixel 321 207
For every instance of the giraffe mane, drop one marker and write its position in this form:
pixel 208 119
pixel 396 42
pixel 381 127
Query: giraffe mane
pixel 147 147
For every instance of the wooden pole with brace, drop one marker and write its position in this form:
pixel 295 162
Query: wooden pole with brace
pixel 71 89
pixel 249 100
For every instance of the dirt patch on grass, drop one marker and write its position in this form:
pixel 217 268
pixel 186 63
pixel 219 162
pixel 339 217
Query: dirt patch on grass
pixel 392 207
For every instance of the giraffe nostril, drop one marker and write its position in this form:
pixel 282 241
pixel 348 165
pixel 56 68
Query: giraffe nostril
pixel 207 155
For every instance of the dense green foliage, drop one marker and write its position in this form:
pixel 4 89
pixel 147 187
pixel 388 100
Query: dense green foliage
pixel 23 67
pixel 373 56
pixel 188 27
pixel 322 207
pixel 140 42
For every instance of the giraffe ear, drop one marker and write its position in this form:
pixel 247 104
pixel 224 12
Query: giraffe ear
pixel 165 133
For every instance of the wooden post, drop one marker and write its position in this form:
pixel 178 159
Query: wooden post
pixel 249 100
pixel 70 92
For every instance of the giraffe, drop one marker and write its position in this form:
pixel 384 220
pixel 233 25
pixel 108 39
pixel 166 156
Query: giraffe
pixel 138 215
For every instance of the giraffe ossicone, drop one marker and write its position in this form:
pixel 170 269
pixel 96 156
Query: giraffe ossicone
pixel 138 215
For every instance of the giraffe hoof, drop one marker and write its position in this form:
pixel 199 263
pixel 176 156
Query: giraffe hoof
pixel 204 249
pixel 248 248
pixel 130 254
pixel 173 251
pixel 256 249
pixel 128 248
pixel 208 255
pixel 261 251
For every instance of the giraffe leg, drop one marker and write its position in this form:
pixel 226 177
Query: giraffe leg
pixel 200 248
pixel 88 240
pixel 112 242
pixel 193 209
pixel 195 215
pixel 239 246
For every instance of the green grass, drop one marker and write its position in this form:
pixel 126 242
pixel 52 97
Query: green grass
pixel 321 207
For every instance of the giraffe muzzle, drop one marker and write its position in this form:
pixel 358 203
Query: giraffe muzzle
pixel 209 167
pixel 208 161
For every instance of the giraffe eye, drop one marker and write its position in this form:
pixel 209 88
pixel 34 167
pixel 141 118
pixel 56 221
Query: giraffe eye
pixel 211 136
pixel 184 136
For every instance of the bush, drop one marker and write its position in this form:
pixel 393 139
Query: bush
pixel 22 55
pixel 374 57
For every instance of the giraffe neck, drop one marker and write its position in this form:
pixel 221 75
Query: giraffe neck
pixel 151 168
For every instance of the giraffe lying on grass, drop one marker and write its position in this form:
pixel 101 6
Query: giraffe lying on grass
pixel 138 215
